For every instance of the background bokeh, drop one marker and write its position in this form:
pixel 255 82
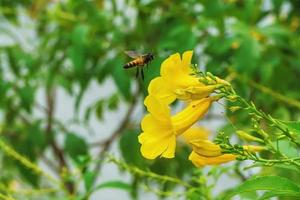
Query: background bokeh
pixel 66 100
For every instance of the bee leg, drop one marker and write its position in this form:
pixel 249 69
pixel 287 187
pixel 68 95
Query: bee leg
pixel 137 72
pixel 142 74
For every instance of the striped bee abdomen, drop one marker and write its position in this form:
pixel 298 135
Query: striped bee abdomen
pixel 132 64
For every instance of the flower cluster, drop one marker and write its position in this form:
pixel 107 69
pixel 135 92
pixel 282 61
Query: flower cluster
pixel 160 129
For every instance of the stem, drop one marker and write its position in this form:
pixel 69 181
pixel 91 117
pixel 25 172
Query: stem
pixel 142 173
pixel 269 119
pixel 277 161
pixel 59 154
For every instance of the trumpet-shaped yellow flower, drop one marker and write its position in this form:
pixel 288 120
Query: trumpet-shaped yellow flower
pixel 201 161
pixel 206 152
pixel 176 81
pixel 160 128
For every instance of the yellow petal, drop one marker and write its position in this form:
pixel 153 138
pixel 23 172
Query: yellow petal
pixel 253 148
pixel 161 91
pixel 186 62
pixel 195 133
pixel 206 148
pixel 158 109
pixel 157 138
pixel 170 66
pixel 170 151
pixel 191 114
pixel 156 144
pixel 204 143
pixel 206 152
pixel 152 124
pixel 201 161
pixel 176 72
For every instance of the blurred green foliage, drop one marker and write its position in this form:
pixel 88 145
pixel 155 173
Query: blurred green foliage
pixel 70 44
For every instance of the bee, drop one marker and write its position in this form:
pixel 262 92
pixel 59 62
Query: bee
pixel 140 60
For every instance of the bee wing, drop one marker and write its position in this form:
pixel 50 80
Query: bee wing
pixel 132 54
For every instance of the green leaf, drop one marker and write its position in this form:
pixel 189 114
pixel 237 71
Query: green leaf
pixel 287 168
pixel 27 97
pixel 87 113
pixel 293 126
pixel 36 137
pixel 287 148
pixel 75 146
pixel 269 195
pixel 79 35
pixel 28 174
pixel 78 59
pixel 270 183
pixel 275 31
pixel 294 129
pixel 121 79
pixel 113 102
pixel 89 178
pixel 130 148
pixel 77 50
pixel 182 34
pixel 247 55
pixel 114 184
pixel 99 109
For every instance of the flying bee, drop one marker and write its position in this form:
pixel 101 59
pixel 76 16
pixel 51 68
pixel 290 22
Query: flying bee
pixel 140 60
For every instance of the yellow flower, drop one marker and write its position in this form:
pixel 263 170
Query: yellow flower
pixel 201 161
pixel 160 128
pixel 176 81
pixel 206 152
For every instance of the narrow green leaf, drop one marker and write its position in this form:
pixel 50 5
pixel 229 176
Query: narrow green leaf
pixel 113 102
pixel 89 178
pixel 100 109
pixel 271 194
pixel 113 184
pixel 270 183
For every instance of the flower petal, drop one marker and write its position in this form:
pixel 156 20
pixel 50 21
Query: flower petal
pixel 253 148
pixel 170 151
pixel 201 161
pixel 191 114
pixel 156 144
pixel 158 109
pixel 161 91
pixel 152 124
pixel 177 73
pixel 157 138
pixel 186 62
pixel 170 66
pixel 195 133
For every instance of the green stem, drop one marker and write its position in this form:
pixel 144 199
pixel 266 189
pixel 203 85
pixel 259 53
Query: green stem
pixel 139 172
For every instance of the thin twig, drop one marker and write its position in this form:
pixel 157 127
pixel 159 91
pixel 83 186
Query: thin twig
pixel 50 99
pixel 149 174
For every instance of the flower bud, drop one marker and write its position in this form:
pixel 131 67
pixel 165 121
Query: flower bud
pixel 248 137
pixel 253 148
pixel 234 108
pixel 232 98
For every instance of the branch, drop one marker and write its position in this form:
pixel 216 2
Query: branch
pixel 108 142
pixel 50 100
